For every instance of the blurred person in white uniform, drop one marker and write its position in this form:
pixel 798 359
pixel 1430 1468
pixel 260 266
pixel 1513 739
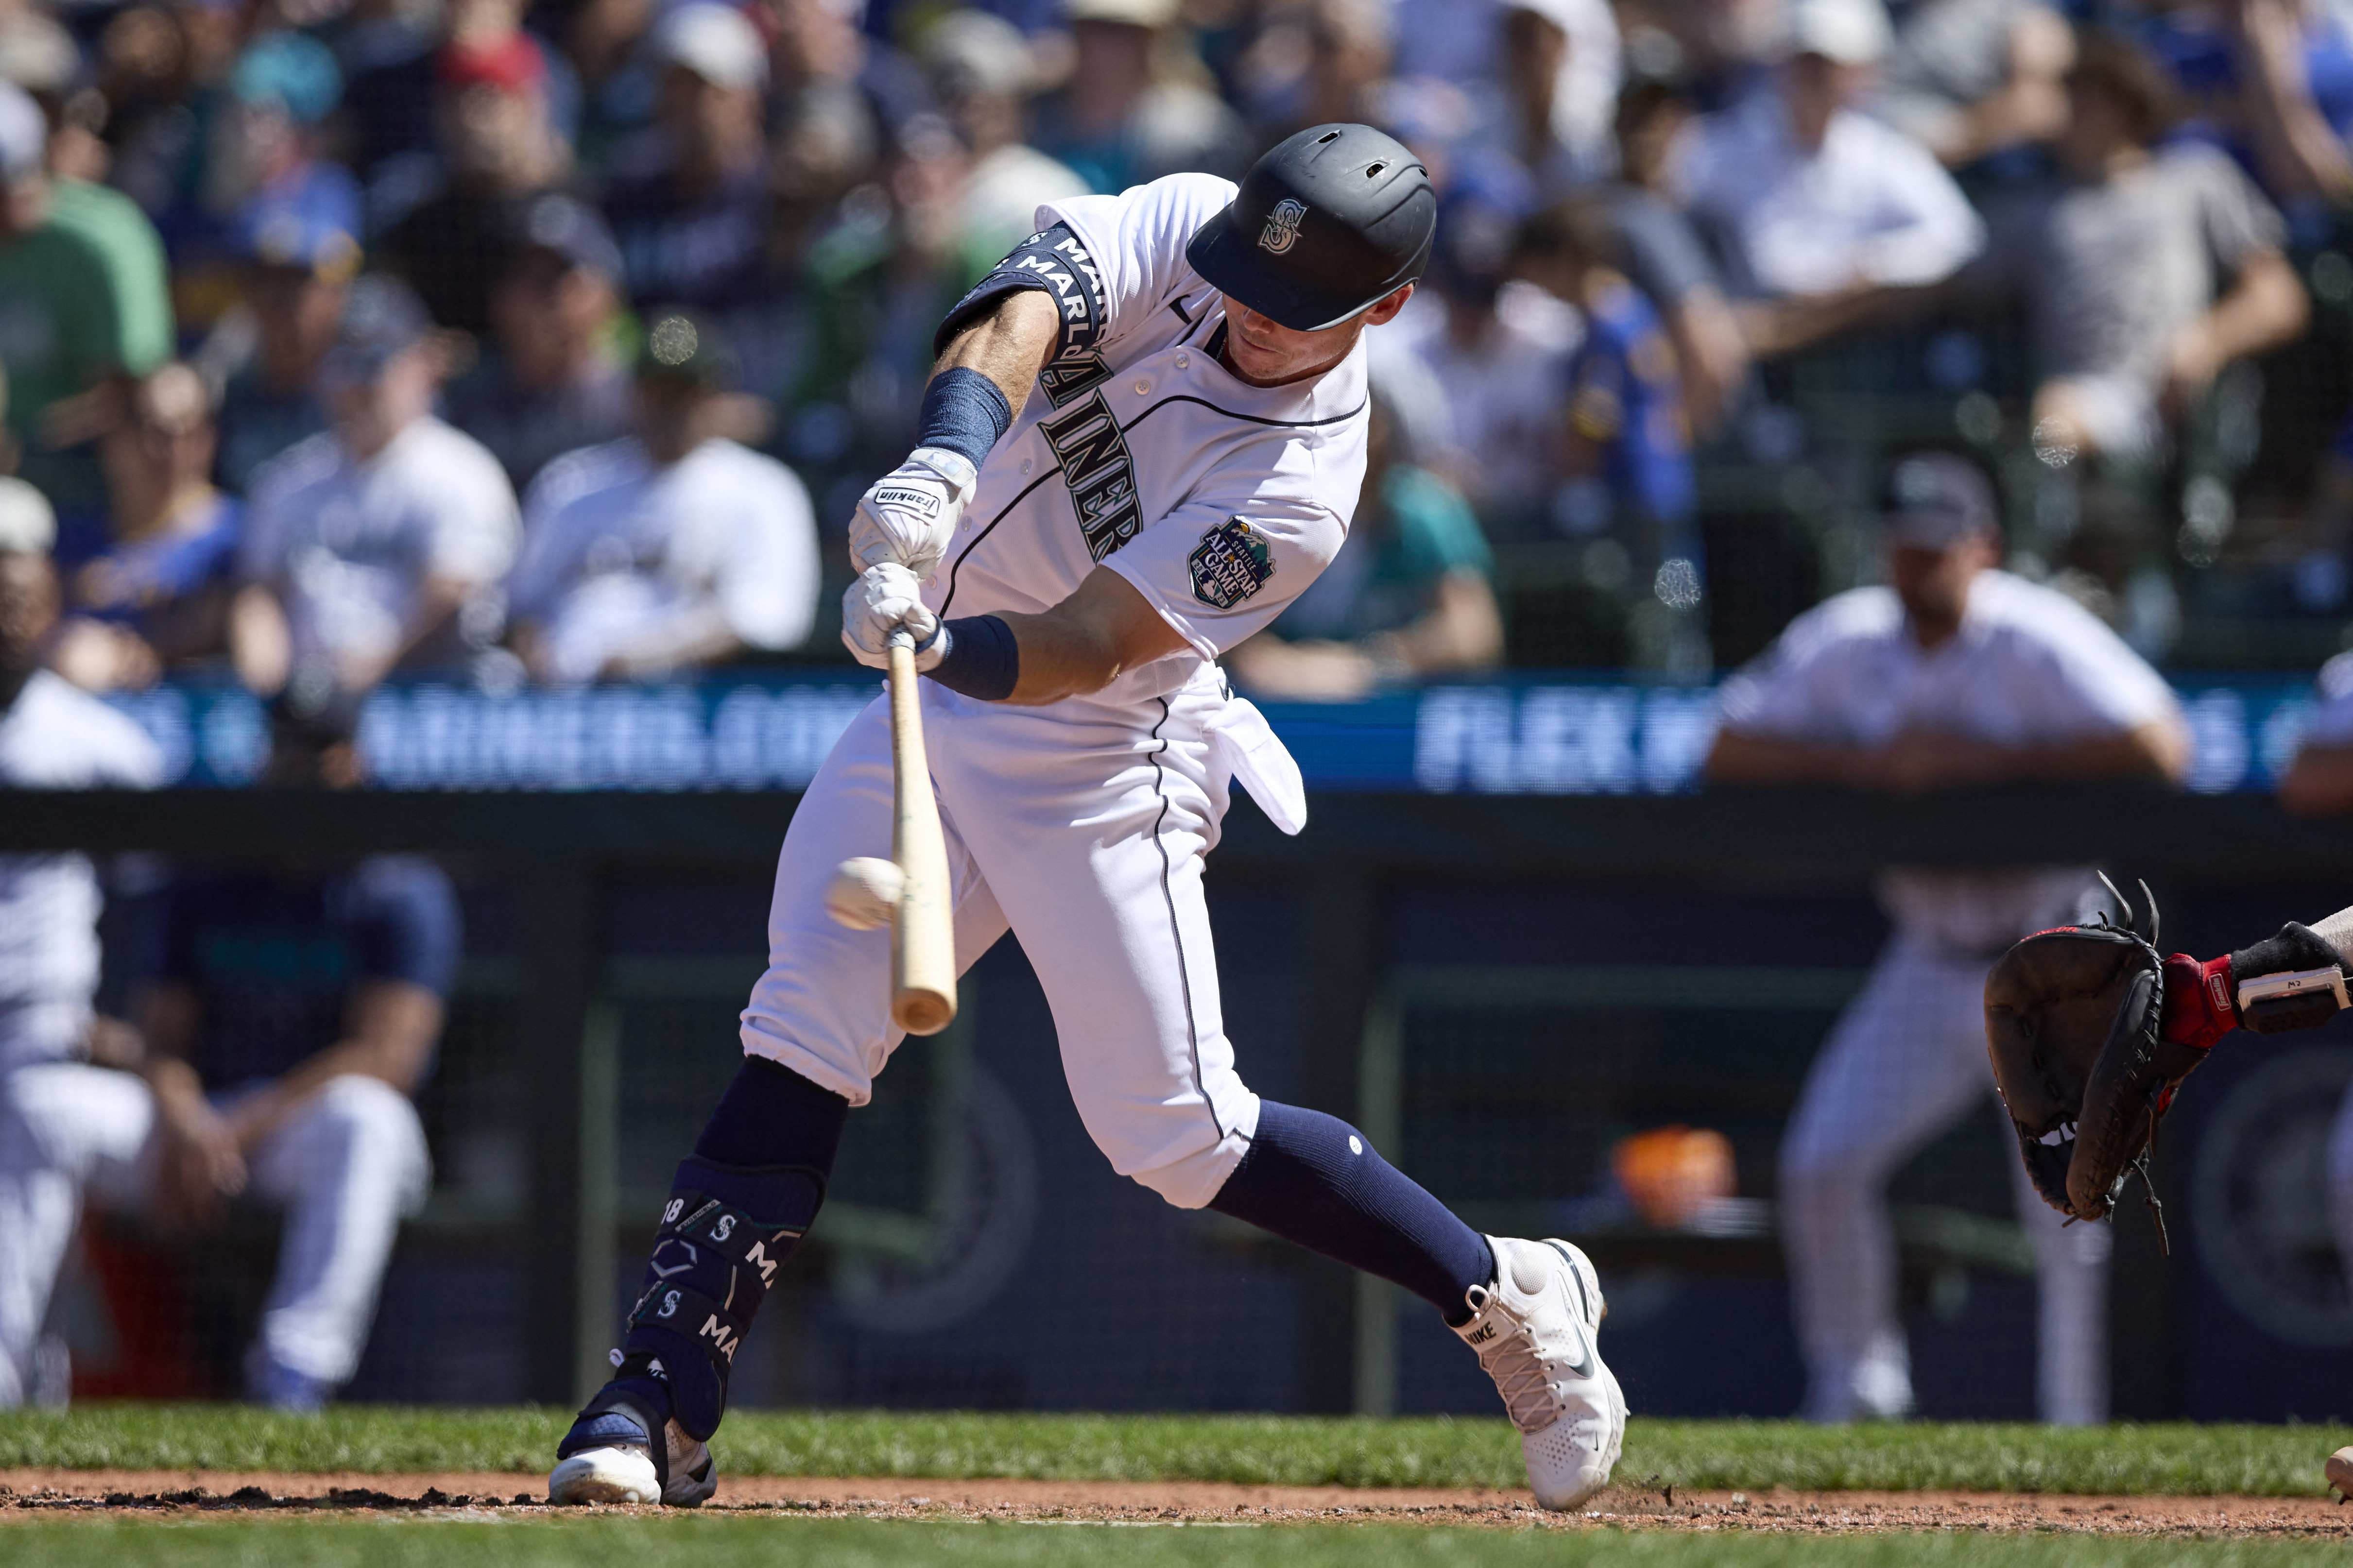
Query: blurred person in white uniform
pixel 282 1017
pixel 1954 674
pixel 667 549
pixel 378 542
pixel 52 736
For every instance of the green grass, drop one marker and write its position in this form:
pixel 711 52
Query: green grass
pixel 2278 1461
pixel 693 1542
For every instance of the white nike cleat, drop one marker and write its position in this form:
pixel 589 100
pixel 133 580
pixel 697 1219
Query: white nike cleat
pixel 1535 1331
pixel 615 1465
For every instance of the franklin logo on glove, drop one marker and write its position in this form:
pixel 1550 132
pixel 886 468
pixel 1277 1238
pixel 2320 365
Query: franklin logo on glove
pixel 926 502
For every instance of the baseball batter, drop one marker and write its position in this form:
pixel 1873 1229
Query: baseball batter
pixel 1955 673
pixel 1144 437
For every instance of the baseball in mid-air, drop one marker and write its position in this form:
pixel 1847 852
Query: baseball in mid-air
pixel 865 893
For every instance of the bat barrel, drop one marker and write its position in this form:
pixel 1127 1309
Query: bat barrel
pixel 923 938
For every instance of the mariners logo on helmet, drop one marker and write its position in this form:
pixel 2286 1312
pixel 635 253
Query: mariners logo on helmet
pixel 1282 231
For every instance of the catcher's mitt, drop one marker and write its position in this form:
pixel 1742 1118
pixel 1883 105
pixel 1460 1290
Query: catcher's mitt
pixel 2072 1026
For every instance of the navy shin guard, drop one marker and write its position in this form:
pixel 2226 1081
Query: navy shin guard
pixel 724 1232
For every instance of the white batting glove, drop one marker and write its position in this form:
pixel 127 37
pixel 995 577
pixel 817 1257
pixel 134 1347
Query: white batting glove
pixel 886 598
pixel 910 512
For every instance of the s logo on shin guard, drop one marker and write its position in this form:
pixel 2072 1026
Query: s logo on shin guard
pixel 723 1227
pixel 669 1305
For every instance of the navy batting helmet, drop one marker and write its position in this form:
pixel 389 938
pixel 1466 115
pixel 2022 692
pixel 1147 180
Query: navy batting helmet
pixel 1326 223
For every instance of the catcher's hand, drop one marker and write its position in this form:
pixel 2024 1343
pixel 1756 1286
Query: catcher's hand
pixel 2074 1028
pixel 2091 1033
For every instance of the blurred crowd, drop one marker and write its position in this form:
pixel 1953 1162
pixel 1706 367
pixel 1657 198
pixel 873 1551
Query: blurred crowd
pixel 552 342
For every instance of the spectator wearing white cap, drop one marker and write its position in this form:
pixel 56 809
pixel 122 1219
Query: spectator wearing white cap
pixel 1953 674
pixel 82 296
pixel 670 549
pixel 1127 116
pixel 379 542
pixel 984 75
pixel 1807 195
pixel 688 198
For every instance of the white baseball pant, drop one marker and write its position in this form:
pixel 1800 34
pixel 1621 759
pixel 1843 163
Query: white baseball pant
pixel 345 1167
pixel 1080 827
pixel 1906 1060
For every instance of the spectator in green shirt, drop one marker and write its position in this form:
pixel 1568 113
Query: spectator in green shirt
pixel 1411 594
pixel 82 296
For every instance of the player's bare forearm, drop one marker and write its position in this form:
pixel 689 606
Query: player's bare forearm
pixel 1462 629
pixel 700 635
pixel 1768 760
pixel 261 646
pixel 1009 343
pixel 2265 307
pixel 2319 783
pixel 1083 644
pixel 1925 760
pixel 391 1030
pixel 2155 751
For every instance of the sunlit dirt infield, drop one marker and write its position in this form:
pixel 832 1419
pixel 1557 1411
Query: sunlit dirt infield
pixel 29 1495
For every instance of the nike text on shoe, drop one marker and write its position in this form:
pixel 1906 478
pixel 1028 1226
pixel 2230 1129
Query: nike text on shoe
pixel 1536 1332
pixel 606 1458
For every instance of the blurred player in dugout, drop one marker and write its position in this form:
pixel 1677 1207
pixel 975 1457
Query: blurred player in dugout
pixel 281 1020
pixel 1952 674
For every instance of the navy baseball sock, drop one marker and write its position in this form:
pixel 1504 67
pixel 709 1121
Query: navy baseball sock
pixel 1315 1180
pixel 771 1115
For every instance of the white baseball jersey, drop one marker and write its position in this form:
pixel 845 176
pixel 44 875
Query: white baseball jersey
pixel 619 553
pixel 1218 499
pixel 348 545
pixel 57 737
pixel 2029 667
pixel 1080 826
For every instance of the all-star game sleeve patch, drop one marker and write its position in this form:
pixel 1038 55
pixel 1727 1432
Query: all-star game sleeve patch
pixel 1229 565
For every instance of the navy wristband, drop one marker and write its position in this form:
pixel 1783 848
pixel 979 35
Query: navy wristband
pixel 983 661
pixel 964 411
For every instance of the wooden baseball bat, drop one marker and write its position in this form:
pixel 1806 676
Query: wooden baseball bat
pixel 923 935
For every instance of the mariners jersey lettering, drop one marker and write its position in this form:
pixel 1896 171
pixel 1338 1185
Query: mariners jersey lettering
pixel 1218 501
